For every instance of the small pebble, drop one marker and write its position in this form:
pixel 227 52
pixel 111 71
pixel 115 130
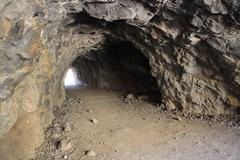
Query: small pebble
pixel 89 111
pixel 216 150
pixel 65 146
pixel 55 136
pixel 67 127
pixel 94 121
pixel 175 138
pixel 90 153
pixel 178 118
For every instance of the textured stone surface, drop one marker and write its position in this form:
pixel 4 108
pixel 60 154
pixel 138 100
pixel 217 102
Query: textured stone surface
pixel 192 46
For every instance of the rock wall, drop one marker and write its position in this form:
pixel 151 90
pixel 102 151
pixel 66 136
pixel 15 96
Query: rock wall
pixel 192 46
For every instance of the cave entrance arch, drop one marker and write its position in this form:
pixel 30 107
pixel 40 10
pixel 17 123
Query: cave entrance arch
pixel 117 65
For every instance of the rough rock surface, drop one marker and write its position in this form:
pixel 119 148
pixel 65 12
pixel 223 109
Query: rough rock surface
pixel 192 46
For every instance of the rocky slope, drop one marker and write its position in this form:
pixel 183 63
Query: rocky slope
pixel 192 47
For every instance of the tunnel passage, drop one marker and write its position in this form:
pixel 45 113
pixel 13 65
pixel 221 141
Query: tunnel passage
pixel 193 48
pixel 117 66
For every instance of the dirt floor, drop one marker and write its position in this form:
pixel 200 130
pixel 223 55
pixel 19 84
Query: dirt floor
pixel 102 126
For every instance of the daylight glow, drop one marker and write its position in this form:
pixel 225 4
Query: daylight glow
pixel 71 79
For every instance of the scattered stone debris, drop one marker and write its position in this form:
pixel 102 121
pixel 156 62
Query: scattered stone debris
pixel 130 98
pixel 61 136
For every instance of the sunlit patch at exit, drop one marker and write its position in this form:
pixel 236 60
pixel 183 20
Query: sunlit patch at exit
pixel 71 80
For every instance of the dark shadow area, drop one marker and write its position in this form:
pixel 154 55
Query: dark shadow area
pixel 118 66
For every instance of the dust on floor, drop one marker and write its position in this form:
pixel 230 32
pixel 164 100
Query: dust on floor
pixel 101 126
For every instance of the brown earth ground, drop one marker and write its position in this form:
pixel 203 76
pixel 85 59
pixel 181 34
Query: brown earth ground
pixel 101 126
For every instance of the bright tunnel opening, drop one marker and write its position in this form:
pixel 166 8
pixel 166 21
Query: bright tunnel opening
pixel 71 79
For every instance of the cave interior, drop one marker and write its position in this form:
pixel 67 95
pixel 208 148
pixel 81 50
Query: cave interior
pixel 118 66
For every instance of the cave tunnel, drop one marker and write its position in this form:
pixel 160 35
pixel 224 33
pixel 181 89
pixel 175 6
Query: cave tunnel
pixel 119 80
pixel 118 66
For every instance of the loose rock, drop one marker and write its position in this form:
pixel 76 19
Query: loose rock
pixel 65 146
pixel 94 121
pixel 90 153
